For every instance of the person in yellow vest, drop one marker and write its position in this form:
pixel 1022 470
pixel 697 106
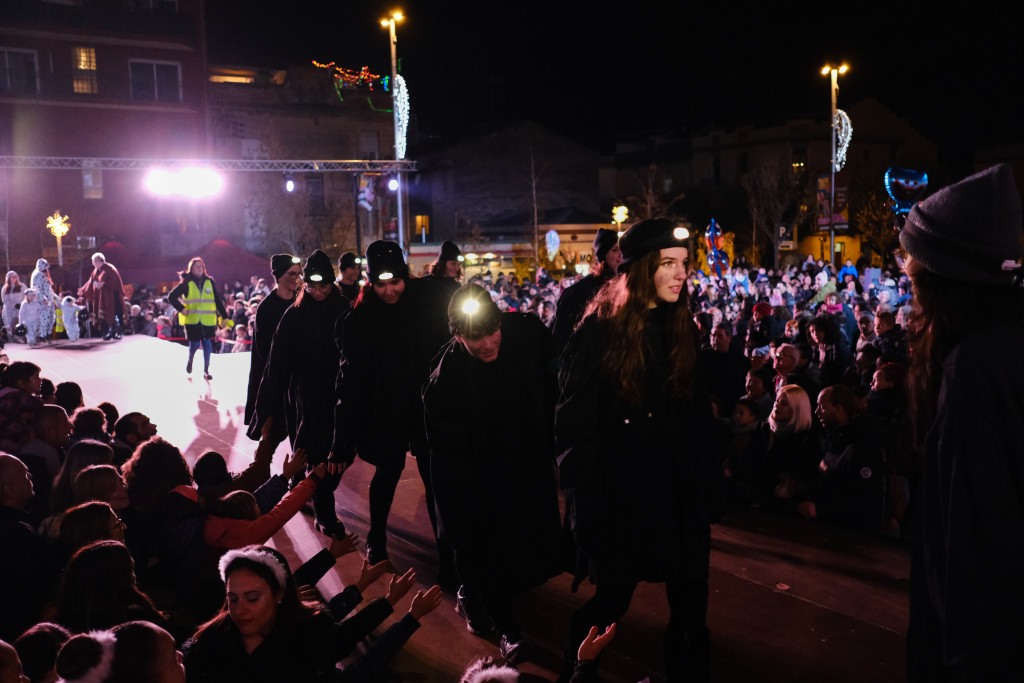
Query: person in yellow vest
pixel 196 298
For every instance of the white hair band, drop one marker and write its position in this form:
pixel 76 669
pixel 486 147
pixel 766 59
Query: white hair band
pixel 254 555
pixel 101 672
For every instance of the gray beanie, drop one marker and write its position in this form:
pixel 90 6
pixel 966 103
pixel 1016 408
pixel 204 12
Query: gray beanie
pixel 969 231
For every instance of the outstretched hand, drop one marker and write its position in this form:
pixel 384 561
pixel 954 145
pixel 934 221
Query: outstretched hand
pixel 294 463
pixel 320 470
pixel 371 573
pixel 595 643
pixel 425 602
pixel 400 585
pixel 344 546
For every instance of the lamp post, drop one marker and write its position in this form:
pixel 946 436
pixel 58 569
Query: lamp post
pixel 389 23
pixel 834 72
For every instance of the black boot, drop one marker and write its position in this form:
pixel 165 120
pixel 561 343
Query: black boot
pixel 117 327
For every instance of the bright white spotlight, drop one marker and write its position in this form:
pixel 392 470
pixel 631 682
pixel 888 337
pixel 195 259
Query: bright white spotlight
pixel 393 184
pixel 192 182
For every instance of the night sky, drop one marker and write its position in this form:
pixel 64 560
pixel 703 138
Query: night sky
pixel 600 72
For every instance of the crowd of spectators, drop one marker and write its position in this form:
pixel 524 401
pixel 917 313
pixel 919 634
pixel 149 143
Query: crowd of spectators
pixel 807 382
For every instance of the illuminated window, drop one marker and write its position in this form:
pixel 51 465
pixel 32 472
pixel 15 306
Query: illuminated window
pixel 84 67
pixel 18 72
pixel 92 183
pixel 155 81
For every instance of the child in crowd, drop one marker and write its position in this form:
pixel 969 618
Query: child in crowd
pixel 30 315
pixel 70 309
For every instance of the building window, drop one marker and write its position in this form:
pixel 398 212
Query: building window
pixel 92 183
pixel 84 67
pixel 799 155
pixel 315 193
pixel 18 72
pixel 156 81
pixel 369 145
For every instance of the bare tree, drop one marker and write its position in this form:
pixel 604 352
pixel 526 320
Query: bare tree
pixel 771 188
pixel 652 201
pixel 874 218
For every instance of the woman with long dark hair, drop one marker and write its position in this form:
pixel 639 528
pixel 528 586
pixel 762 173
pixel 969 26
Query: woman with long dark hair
pixel 195 297
pixel 11 295
pixel 637 458
pixel 962 247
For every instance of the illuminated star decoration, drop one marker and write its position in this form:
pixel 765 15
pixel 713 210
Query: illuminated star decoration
pixel 58 225
pixel 402 102
pixel 349 79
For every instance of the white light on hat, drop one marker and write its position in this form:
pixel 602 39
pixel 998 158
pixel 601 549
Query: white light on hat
pixel 680 233
pixel 470 306
pixel 358 260
pixel 296 259
pixel 461 258
pixel 385 276
pixel 316 277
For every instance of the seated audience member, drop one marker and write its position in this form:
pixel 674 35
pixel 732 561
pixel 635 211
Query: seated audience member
pixel 38 647
pixel 47 391
pixel 112 414
pixel 165 527
pixel 794 445
pixel 745 453
pixel 265 631
pixel 852 489
pixel 129 652
pixel 103 483
pixel 69 396
pixel 19 401
pixel 89 423
pixel 213 479
pixel 98 591
pixel 761 389
pixel 51 434
pixel 87 523
pixel 130 430
pixel 11 669
pixel 26 583
pixel 80 455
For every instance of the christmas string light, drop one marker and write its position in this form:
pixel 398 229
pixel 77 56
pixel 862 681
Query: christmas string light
pixel 350 79
pixel 844 128
pixel 402 102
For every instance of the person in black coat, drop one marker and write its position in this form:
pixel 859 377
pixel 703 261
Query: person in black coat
pixel 963 247
pixel 387 344
pixel 197 297
pixel 494 469
pixel 287 271
pixel 300 374
pixel 573 301
pixel 636 448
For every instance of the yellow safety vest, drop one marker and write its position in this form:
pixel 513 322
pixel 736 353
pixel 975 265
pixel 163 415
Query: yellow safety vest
pixel 201 307
pixel 58 325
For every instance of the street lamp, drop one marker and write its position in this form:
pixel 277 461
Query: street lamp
pixel 389 23
pixel 834 72
pixel 58 226
pixel 620 214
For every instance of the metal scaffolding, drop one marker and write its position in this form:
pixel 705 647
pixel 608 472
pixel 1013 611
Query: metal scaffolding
pixel 280 165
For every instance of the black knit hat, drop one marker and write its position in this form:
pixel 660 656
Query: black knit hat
pixel 650 234
pixel 348 260
pixel 385 260
pixel 449 252
pixel 280 263
pixel 472 313
pixel 318 268
pixel 603 242
pixel 969 231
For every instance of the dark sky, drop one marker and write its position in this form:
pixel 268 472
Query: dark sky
pixel 598 72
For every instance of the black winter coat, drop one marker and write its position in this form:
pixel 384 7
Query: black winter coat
pixel 492 464
pixel 386 356
pixel 268 315
pixel 301 369
pixel 966 593
pixel 641 481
